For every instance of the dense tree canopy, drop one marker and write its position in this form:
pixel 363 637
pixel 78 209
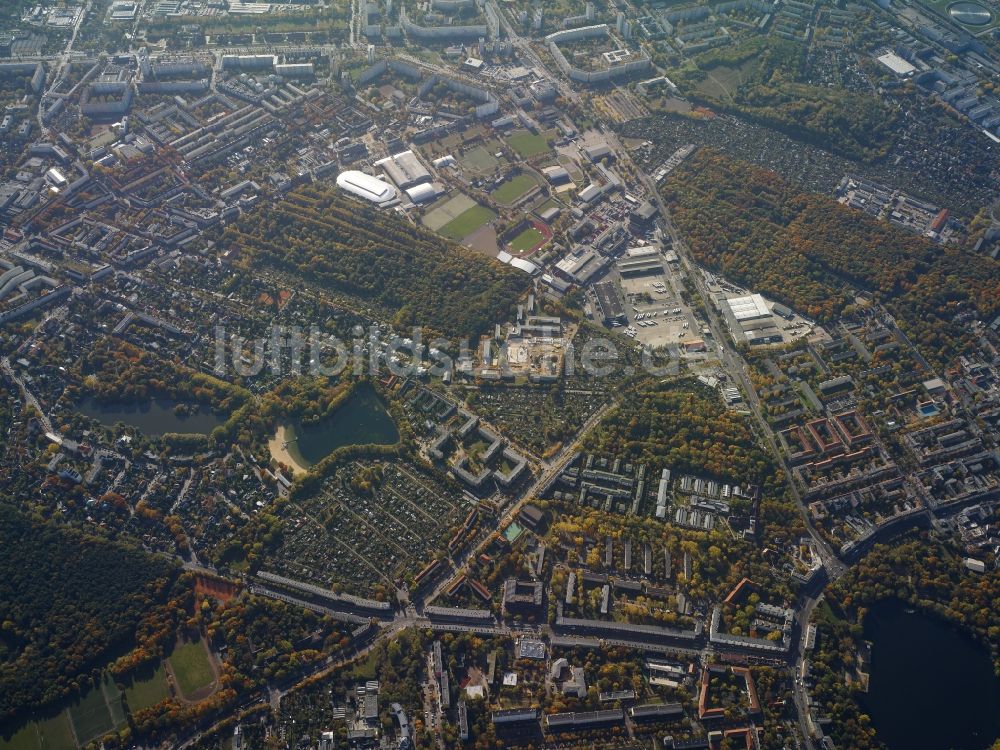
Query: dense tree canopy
pixel 771 92
pixel 68 600
pixel 321 236
pixel 810 252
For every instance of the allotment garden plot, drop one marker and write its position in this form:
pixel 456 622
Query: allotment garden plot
pixel 370 523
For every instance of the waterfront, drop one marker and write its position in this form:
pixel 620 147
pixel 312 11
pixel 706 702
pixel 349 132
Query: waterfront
pixel 361 420
pixel 931 686
pixel 154 418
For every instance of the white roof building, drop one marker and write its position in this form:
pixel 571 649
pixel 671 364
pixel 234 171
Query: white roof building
pixel 750 307
pixel 897 64
pixel 424 192
pixel 646 251
pixel 519 263
pixel 976 566
pixel 367 187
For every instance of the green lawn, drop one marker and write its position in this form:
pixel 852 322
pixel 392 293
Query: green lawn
pixel 528 145
pixel 526 240
pixel 115 701
pixel 90 716
pixel 26 738
pixel 191 667
pixel 52 734
pixel 467 222
pixel 147 688
pixel 365 669
pixel 510 191
pixel 479 160
pixel 56 733
pixel 824 614
pixel 550 203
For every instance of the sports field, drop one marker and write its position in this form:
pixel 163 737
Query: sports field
pixel 447 211
pixel 528 145
pixel 724 81
pixel 191 667
pixel 987 16
pixel 146 688
pixel 527 240
pixel 479 161
pixel 91 716
pixel 513 189
pixel 51 734
pixel 467 222
pixel 26 738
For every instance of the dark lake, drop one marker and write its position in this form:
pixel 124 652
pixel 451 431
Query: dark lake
pixel 361 420
pixel 153 418
pixel 932 686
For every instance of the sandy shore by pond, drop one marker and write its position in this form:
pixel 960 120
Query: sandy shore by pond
pixel 279 451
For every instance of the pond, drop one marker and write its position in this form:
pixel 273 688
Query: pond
pixel 153 418
pixel 931 685
pixel 361 420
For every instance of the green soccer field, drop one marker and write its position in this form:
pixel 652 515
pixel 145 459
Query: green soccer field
pixel 90 716
pixel 56 733
pixel 479 161
pixel 52 734
pixel 526 240
pixel 191 667
pixel 528 145
pixel 513 189
pixel 467 222
pixel 146 688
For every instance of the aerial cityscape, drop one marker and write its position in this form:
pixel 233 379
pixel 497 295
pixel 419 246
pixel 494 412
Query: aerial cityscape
pixel 440 374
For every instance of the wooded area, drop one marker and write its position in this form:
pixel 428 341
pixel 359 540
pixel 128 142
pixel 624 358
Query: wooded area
pixel 322 237
pixel 686 427
pixel 810 252
pixel 69 601
pixel 923 574
pixel 117 371
pixel 854 125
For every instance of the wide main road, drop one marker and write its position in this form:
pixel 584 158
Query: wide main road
pixel 735 365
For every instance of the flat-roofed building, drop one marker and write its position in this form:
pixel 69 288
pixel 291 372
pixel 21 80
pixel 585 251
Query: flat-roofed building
pixel 657 712
pixel 556 174
pixel 750 307
pixel 897 64
pixel 404 169
pixel 610 302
